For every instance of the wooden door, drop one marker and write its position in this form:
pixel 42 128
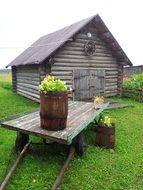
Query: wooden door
pixel 88 83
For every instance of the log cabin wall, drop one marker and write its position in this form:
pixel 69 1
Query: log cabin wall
pixel 28 78
pixel 71 56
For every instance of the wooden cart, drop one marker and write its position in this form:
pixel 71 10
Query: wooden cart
pixel 80 114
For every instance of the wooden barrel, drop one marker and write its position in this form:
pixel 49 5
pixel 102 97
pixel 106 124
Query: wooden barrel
pixel 105 136
pixel 53 110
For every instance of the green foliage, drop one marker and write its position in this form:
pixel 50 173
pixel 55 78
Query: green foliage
pixel 50 84
pixel 135 82
pixel 133 87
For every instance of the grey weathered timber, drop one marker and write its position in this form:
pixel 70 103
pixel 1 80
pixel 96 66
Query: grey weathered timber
pixel 28 79
pixel 120 79
pixel 88 83
pixel 80 114
pixel 14 79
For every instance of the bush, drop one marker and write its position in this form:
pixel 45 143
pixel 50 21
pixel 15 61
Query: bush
pixel 6 85
pixel 133 87
pixel 5 80
pixel 134 82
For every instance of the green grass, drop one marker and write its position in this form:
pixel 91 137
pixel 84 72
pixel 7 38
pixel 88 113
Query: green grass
pixel 100 168
pixel 5 80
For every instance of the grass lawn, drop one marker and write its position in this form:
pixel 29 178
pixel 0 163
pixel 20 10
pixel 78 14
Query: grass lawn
pixel 99 169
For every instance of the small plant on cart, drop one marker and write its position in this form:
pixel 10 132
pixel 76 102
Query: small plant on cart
pixel 105 121
pixel 98 101
pixel 51 84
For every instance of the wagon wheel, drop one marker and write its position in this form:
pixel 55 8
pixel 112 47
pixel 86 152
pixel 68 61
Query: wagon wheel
pixel 21 140
pixel 79 144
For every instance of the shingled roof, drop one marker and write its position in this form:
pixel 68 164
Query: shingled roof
pixel 46 45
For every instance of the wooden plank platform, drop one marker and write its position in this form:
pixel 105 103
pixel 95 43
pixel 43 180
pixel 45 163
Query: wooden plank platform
pixel 80 114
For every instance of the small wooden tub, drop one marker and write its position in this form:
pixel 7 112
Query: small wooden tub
pixel 53 110
pixel 105 136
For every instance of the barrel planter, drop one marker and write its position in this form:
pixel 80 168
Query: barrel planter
pixel 53 110
pixel 105 136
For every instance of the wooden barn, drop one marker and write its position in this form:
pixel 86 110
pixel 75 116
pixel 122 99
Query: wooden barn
pixel 84 54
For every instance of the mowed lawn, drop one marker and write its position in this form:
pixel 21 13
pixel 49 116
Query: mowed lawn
pixel 99 169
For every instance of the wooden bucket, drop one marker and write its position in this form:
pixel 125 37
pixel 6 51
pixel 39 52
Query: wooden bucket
pixel 105 136
pixel 53 110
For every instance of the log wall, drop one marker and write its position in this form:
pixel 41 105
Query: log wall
pixel 71 56
pixel 28 78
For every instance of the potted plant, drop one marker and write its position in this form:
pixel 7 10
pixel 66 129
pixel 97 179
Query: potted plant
pixel 105 132
pixel 53 103
pixel 98 101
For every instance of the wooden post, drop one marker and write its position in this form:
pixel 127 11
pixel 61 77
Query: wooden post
pixel 14 79
pixel 8 176
pixel 64 167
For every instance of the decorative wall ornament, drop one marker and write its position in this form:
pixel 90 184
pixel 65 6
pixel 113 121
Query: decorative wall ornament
pixel 90 48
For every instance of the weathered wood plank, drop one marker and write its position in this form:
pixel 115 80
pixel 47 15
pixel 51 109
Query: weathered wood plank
pixel 35 75
pixel 84 122
pixel 112 71
pixel 110 87
pixel 23 70
pixel 81 49
pixel 32 82
pixel 19 87
pixel 64 77
pixel 67 66
pixel 28 96
pixel 72 60
pixel 19 91
pixel 65 73
pixel 36 79
pixel 81 45
pixel 35 87
pixel 30 123
pixel 94 57
pixel 14 79
pixel 71 51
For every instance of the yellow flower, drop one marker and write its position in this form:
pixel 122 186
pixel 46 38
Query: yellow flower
pixel 50 78
pixel 98 99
